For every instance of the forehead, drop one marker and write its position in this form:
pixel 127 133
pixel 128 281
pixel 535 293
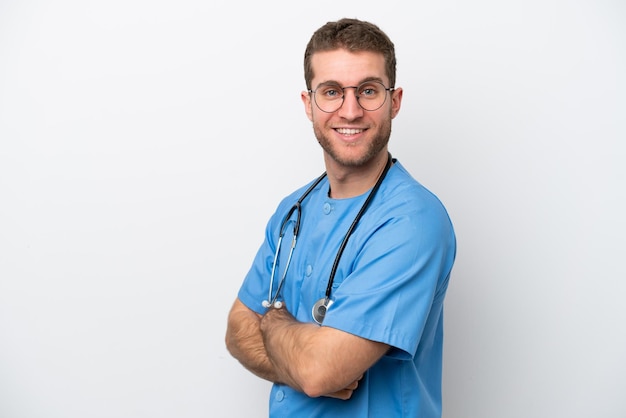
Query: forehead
pixel 347 68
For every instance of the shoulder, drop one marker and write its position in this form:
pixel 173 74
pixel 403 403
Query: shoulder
pixel 310 188
pixel 401 193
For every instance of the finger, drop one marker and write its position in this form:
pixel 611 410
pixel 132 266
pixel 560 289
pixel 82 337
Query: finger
pixel 343 394
pixel 353 385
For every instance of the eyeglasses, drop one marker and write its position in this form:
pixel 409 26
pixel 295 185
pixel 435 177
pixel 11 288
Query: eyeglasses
pixel 370 95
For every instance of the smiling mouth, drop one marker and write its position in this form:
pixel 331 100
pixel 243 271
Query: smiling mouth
pixel 349 131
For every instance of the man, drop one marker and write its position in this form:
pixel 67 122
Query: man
pixel 348 323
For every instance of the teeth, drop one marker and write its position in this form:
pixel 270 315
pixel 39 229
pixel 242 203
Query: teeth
pixel 345 131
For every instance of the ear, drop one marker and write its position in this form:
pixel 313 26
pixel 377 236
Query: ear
pixel 396 101
pixel 306 100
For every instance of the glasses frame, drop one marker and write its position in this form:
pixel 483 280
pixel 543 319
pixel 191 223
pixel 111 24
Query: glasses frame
pixel 356 89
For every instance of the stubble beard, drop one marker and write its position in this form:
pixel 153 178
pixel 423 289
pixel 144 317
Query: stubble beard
pixel 373 148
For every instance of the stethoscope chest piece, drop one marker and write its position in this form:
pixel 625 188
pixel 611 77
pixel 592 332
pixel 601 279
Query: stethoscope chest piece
pixel 320 308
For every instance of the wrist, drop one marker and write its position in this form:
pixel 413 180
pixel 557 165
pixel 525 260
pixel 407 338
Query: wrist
pixel 274 314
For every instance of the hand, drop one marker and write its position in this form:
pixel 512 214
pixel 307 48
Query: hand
pixel 346 393
pixel 275 315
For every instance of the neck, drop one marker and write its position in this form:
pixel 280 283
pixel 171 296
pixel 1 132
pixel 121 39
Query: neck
pixel 346 182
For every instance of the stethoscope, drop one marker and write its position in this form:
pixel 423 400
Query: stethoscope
pixel 321 306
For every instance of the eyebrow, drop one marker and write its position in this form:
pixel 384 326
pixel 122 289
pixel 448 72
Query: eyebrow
pixel 336 83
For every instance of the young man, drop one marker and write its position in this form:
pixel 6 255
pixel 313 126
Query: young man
pixel 348 322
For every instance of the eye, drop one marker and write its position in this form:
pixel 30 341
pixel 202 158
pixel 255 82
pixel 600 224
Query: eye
pixel 369 90
pixel 331 92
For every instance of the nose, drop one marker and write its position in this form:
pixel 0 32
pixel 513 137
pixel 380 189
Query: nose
pixel 350 108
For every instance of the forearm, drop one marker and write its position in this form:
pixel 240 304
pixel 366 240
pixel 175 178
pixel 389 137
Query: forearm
pixel 319 361
pixel 244 341
pixel 284 340
pixel 305 356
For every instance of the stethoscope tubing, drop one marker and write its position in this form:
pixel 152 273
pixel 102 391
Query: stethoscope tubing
pixel 342 247
pixel 297 207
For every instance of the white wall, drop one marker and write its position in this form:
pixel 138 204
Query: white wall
pixel 143 144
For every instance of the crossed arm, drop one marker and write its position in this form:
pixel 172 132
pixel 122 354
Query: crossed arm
pixel 319 361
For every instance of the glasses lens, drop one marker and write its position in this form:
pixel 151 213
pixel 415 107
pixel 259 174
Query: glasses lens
pixel 370 95
pixel 329 97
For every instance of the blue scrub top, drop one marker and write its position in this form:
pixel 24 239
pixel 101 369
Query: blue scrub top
pixel 389 287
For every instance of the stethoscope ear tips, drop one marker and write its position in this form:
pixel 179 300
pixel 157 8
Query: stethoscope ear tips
pixel 266 304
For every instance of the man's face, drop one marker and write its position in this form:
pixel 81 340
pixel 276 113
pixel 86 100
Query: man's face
pixel 351 136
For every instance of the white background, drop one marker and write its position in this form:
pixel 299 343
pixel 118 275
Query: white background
pixel 143 145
